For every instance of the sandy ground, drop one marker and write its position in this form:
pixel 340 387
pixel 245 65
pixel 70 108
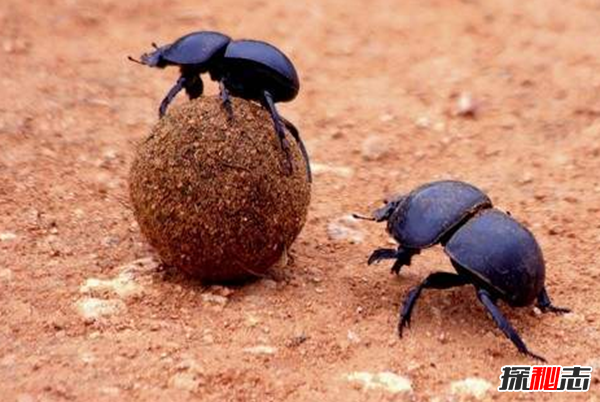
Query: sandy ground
pixel 381 85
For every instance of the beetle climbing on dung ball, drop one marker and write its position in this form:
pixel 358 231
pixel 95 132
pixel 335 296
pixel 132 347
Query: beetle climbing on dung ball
pixel 487 248
pixel 248 69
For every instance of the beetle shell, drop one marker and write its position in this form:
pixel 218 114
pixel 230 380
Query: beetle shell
pixel 501 252
pixel 195 48
pixel 432 210
pixel 251 67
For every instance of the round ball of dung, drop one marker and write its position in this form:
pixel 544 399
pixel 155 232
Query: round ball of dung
pixel 213 195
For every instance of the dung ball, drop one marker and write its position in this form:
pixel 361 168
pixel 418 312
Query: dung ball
pixel 213 196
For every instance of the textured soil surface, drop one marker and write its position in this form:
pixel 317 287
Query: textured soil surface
pixel 505 95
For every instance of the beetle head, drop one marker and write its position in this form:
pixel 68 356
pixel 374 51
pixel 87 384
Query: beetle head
pixel 384 213
pixel 152 59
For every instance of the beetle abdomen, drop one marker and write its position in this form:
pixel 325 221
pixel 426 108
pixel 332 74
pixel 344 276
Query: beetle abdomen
pixel 503 253
pixel 271 59
pixel 432 210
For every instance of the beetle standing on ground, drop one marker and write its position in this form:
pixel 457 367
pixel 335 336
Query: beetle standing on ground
pixel 248 69
pixel 488 249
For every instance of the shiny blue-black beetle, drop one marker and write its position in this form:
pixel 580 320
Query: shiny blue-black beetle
pixel 487 248
pixel 248 69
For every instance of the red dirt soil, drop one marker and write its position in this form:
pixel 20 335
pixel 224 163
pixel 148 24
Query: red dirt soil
pixel 379 110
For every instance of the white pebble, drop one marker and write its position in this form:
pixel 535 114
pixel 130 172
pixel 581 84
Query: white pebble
pixel 7 236
pixel 384 380
pixel 475 387
pixel 345 229
pixel 261 350
pixel 374 148
pixel 92 308
pixel 342 171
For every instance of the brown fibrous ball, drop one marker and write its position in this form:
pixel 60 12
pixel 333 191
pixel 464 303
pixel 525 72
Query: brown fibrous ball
pixel 213 196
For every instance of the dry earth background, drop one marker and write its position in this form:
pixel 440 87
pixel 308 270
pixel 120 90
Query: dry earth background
pixel 381 83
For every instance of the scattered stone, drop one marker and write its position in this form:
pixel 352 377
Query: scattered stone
pixel 92 308
pixel 221 290
pixel 385 380
pixel 128 283
pixel 475 387
pixel 110 391
pixel 185 381
pixel 353 337
pixel 124 286
pixel 594 363
pixel 25 398
pixel 7 236
pixel 6 275
pixel 345 229
pixel 373 148
pixel 386 117
pixel 214 299
pixel 466 106
pixel 342 171
pixel 423 122
pixel 261 350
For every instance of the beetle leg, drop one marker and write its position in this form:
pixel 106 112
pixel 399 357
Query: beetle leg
pixel 278 123
pixel 436 280
pixel 170 95
pixel 225 99
pixel 403 257
pixel 194 87
pixel 502 323
pixel 294 132
pixel 545 304
pixel 382 254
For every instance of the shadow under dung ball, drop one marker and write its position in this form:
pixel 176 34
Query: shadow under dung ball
pixel 213 196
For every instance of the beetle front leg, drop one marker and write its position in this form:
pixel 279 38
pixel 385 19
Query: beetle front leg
pixel 170 95
pixel 545 304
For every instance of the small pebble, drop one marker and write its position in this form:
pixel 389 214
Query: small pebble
pixel 7 236
pixel 475 387
pixel 386 381
pixel 261 350
pixel 91 308
pixel 345 229
pixel 374 148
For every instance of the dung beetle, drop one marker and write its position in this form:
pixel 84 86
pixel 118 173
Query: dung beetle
pixel 248 69
pixel 487 248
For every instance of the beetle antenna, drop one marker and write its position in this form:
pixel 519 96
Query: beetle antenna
pixel 154 45
pixel 366 218
pixel 134 60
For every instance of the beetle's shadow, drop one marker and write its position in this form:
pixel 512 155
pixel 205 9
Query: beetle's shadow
pixel 457 310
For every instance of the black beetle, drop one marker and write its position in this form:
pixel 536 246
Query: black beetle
pixel 488 249
pixel 248 69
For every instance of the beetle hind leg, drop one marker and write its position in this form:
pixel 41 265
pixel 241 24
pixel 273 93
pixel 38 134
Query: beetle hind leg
pixel 545 304
pixel 294 132
pixel 488 302
pixel 225 99
pixel 278 123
